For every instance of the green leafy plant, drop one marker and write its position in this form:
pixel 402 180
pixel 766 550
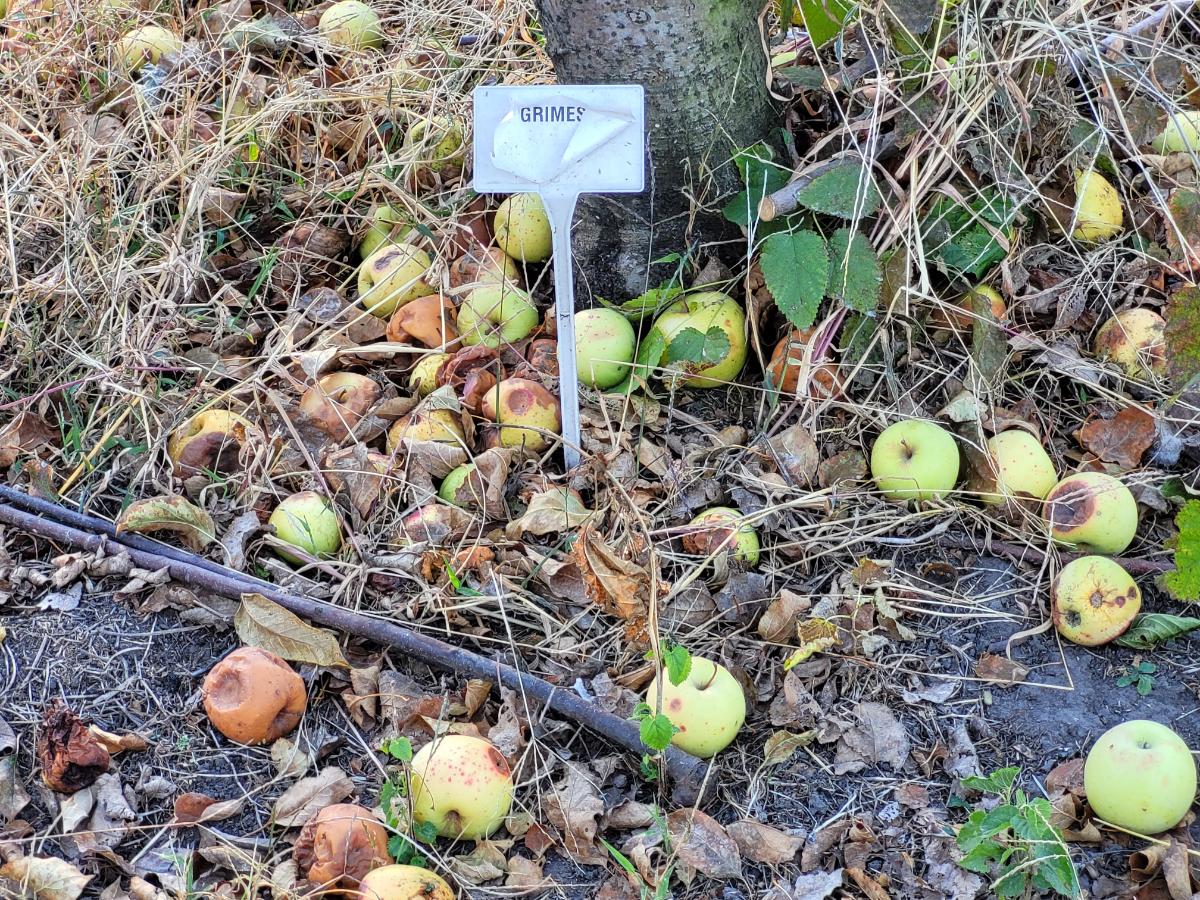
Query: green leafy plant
pixel 761 176
pixel 1184 581
pixel 677 661
pixel 1149 630
pixel 1013 842
pixel 646 891
pixel 966 238
pixel 1140 675
pixel 404 845
pixel 702 348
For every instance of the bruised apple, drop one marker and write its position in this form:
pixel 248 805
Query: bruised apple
pixel 1140 775
pixel 339 845
pixel 430 320
pixel 1093 600
pixel 709 708
pixel 351 24
pixel 388 225
pixel 443 426
pixel 527 413
pixel 307 521
pixel 722 527
pixel 1092 511
pixel 397 882
pixel 461 785
pixel 423 378
pixel 338 402
pixel 211 441
pixel 496 314
pixel 1098 213
pixel 253 697
pixel 1134 340
pixel 788 363
pixel 440 139
pixel 1021 466
pixel 392 276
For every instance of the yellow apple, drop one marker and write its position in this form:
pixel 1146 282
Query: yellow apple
pixel 1140 775
pixel 522 229
pixel 392 276
pixel 709 708
pixel 700 313
pixel 1092 511
pixel 147 44
pixel 461 785
pixel 604 345
pixel 914 460
pixel 1098 214
pixel 403 883
pixel 1134 340
pixel 527 413
pixel 1021 466
pixel 440 139
pixel 443 426
pixel 720 523
pixel 496 314
pixel 351 24
pixel 306 520
pixel 962 316
pixel 452 490
pixel 423 378
pixel 1093 600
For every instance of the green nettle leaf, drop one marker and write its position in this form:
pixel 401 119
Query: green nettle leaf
pixel 678 663
pixel 854 273
pixel 399 748
pixel 657 732
pixel 962 238
pixel 761 176
pixel 999 782
pixel 825 19
pixel 1184 582
pixel 846 190
pixel 796 270
pixel 1151 629
pixel 703 348
pixel 425 832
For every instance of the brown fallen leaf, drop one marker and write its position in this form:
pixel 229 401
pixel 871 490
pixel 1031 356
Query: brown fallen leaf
pixel 557 509
pixel 485 863
pixel 574 807
pixel 524 873
pixel 46 878
pixel 877 738
pixel 25 434
pixel 264 623
pixel 169 513
pixel 404 705
pixel 701 844
pixel 308 796
pixel 764 844
pixel 779 622
pixel 849 466
pixel 782 746
pixel 13 796
pixel 1066 778
pixel 194 808
pixel 70 756
pixel 813 886
pixel 1177 871
pixel 1122 439
pixel 796 454
pixel 616 585
pixel 1000 670
pixel 868 885
pixel 116 743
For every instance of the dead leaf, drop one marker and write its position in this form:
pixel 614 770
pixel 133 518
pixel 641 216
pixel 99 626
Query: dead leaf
pixel 913 796
pixel 308 796
pixel 485 485
pixel 194 809
pixel 263 623
pixel 702 844
pixel 782 746
pixel 524 873
pixel 764 844
pixel 796 453
pixel 71 758
pixel 289 760
pixel 404 704
pixel 574 807
pixel 1066 778
pixel 508 734
pixel 1000 670
pixel 1176 871
pixel 877 738
pixel 616 585
pixel 46 878
pixel 353 471
pixel 813 886
pixel 1122 439
pixel 847 467
pixel 26 433
pixel 169 513
pixel 111 818
pixel 118 743
pixel 555 510
pixel 779 622
pixel 629 815
pixel 485 863
pixel 868 885
pixel 13 797
pixel 233 541
pixel 965 407
pixel 63 601
pixel 943 873
pixel 475 694
pixel 1062 357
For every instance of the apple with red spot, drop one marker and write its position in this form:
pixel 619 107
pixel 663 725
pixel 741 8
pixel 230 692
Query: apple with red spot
pixel 461 785
pixel 708 708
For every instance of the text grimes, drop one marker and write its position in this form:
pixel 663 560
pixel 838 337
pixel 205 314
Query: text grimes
pixel 553 113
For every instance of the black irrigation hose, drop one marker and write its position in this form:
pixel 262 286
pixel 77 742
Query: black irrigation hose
pixel 55 523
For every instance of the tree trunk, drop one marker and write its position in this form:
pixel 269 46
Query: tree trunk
pixel 703 68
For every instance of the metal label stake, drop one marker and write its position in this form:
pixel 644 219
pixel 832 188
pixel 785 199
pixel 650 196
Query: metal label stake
pixel 560 141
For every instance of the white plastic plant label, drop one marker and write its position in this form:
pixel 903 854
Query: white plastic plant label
pixel 560 141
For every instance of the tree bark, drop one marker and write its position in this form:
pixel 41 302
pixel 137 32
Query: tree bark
pixel 703 68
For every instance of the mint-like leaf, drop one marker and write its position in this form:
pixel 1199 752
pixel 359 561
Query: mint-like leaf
pixel 657 731
pixel 1184 582
pixel 1151 629
pixel 847 191
pixel 854 273
pixel 678 663
pixel 796 270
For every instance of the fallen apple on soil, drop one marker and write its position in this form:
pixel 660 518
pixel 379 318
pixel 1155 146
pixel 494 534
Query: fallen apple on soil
pixel 423 378
pixel 1140 775
pixel 404 883
pixel 430 320
pixel 709 708
pixel 496 314
pixel 453 483
pixel 527 413
pixel 339 845
pixel 522 229
pixel 788 363
pixel 1134 340
pixel 338 402
pixel 1021 466
pixel 962 316
pixel 441 425
pixel 485 265
pixel 444 134
pixel 210 441
pixel 914 460
pixel 1181 134
pixel 700 313
pixel 1093 600
pixel 148 44
pixel 389 225
pixel 392 276
pixel 306 520
pixel 1098 213
pixel 461 785
pixel 725 528
pixel 604 346
pixel 1092 511
pixel 351 24
pixel 253 696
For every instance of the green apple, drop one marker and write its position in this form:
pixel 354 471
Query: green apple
pixel 1182 134
pixel 700 313
pixel 392 276
pixel 914 460
pixel 440 139
pixel 399 882
pixel 496 314
pixel 709 708
pixel 527 414
pixel 522 229
pixel 462 785
pixel 1092 511
pixel 306 520
pixel 1093 600
pixel 720 523
pixel 1134 340
pixel 453 482
pixel 351 24
pixel 389 225
pixel 148 44
pixel 1021 466
pixel 423 378
pixel 1140 775
pixel 604 345
pixel 1098 213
